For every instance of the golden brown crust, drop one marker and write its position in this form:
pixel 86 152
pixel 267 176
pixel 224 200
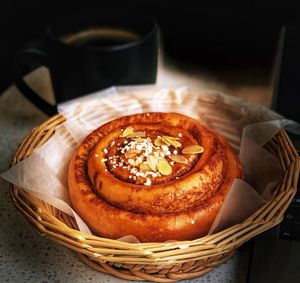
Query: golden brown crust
pixel 180 206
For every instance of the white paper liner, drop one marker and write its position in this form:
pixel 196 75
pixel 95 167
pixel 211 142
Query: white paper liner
pixel 44 173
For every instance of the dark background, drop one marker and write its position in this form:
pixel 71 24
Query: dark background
pixel 216 34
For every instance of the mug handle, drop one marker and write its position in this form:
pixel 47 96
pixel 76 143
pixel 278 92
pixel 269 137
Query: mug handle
pixel 32 52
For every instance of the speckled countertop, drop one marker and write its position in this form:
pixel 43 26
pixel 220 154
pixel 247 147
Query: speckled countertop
pixel 25 256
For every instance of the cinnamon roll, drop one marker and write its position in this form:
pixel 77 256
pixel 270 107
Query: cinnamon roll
pixel 157 176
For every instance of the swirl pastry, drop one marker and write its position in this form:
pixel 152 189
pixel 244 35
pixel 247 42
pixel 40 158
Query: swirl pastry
pixel 157 176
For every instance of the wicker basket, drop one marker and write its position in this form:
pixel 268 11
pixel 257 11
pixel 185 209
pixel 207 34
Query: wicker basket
pixel 160 262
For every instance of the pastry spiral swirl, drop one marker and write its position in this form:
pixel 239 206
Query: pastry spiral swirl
pixel 157 176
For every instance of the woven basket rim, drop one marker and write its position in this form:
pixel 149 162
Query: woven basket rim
pixel 218 246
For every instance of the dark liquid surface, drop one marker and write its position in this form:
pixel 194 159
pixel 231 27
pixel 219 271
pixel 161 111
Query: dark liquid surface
pixel 100 38
pixel 101 41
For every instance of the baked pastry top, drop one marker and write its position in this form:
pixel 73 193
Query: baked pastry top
pixel 157 176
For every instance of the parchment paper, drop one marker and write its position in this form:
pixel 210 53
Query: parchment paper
pixel 44 173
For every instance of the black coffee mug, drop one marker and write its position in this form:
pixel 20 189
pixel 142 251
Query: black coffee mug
pixel 86 55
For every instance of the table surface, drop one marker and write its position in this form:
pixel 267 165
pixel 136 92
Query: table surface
pixel 25 256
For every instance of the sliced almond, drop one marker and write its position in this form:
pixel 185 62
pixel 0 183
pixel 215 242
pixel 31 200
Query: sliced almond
pixel 164 167
pixel 152 162
pixel 131 153
pixel 159 142
pixel 193 149
pixel 166 141
pixel 179 159
pixel 144 167
pixel 171 138
pixel 139 134
pixel 137 162
pixel 176 144
pixel 171 141
pixel 128 131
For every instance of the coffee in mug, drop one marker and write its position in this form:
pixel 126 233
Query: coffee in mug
pixel 100 37
pixel 87 55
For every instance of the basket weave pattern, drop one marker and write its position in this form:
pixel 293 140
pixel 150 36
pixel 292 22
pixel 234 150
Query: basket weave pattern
pixel 160 262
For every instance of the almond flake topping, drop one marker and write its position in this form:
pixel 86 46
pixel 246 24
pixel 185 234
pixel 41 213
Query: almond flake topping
pixel 179 159
pixel 152 162
pixel 145 158
pixel 137 134
pixel 144 167
pixel 164 167
pixel 131 153
pixel 171 141
pixel 159 142
pixel 127 132
pixel 193 149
